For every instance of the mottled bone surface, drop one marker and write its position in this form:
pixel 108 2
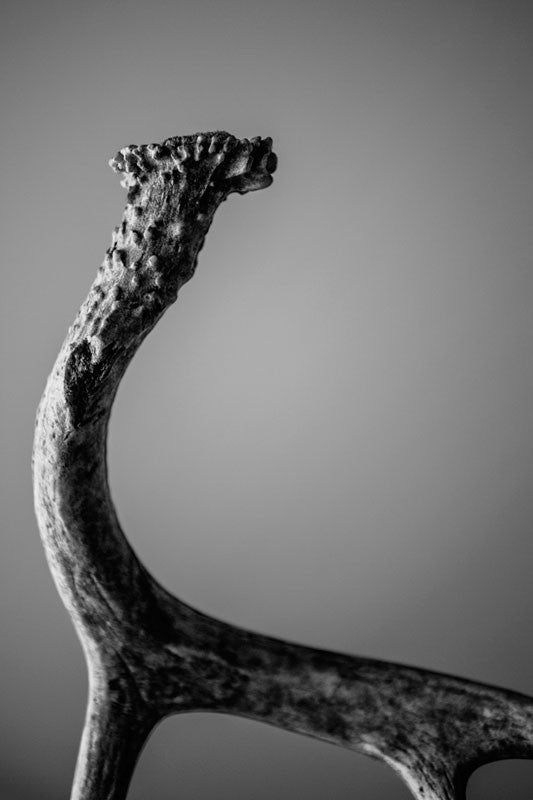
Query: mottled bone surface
pixel 149 654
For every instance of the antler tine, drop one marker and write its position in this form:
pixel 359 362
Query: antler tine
pixel 149 654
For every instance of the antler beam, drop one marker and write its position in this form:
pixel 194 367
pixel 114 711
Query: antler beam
pixel 149 654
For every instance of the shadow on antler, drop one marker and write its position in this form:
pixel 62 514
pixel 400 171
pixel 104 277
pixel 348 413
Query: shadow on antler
pixel 149 654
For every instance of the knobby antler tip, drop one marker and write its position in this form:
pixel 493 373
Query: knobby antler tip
pixel 235 164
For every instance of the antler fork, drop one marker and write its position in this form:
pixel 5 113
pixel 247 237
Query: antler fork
pixel 149 654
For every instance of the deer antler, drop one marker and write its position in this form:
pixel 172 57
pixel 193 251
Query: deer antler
pixel 149 654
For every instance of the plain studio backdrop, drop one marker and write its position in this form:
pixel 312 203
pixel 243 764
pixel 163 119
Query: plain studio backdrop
pixel 328 438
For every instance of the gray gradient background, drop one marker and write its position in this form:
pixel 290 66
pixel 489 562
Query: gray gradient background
pixel 328 438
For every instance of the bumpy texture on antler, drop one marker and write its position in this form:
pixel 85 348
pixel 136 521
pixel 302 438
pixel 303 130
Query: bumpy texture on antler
pixel 149 654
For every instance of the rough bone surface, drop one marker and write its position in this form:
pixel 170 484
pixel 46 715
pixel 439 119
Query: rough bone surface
pixel 149 654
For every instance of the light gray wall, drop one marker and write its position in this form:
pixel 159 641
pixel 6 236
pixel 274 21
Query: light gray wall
pixel 329 437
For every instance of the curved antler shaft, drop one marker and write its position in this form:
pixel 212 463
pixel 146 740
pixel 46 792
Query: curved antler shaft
pixel 148 653
pixel 174 190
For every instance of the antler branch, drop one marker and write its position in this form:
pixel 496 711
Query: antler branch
pixel 149 654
